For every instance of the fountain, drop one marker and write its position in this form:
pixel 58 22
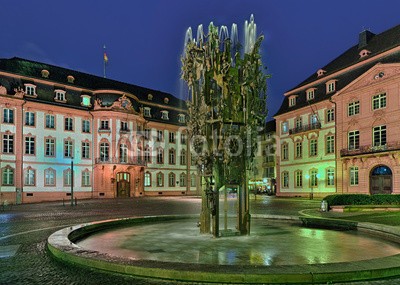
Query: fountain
pixel 226 105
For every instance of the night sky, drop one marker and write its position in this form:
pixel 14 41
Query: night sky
pixel 144 39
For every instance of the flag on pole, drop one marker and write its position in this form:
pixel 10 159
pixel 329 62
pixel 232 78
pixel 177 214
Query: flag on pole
pixel 105 55
pixel 105 61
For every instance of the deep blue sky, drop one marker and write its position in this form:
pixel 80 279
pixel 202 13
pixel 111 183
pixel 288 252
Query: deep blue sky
pixel 144 39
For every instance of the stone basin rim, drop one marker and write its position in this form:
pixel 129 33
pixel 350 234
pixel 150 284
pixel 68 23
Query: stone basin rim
pixel 62 247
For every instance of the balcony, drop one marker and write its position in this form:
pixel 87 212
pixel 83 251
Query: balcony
pixel 370 149
pixel 305 128
pixel 104 130
pixel 124 130
pixel 118 160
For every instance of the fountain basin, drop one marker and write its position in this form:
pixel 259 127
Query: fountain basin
pixel 62 245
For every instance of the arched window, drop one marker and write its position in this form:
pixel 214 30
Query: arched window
pixel 30 175
pixel 147 155
pixel 160 155
pixel 182 179
pixel 104 151
pixel 172 156
pixel 183 157
pixel 49 177
pixel 86 182
pixel 7 176
pixel 123 153
pixel 147 179
pixel 193 180
pixel 171 180
pixel 67 177
pixel 160 179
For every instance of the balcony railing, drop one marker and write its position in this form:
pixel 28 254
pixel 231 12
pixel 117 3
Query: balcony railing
pixel 366 149
pixel 305 128
pixel 118 160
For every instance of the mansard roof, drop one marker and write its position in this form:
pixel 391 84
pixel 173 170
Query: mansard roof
pixel 32 70
pixel 376 45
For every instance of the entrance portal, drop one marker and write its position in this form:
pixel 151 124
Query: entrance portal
pixel 123 184
pixel 381 180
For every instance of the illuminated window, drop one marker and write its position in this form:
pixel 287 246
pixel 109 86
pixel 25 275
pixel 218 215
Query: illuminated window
pixel 85 101
pixel 160 179
pixel 147 179
pixel 330 177
pixel 285 127
pixel 7 176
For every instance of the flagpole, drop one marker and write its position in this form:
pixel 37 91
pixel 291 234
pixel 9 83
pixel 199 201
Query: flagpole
pixel 104 61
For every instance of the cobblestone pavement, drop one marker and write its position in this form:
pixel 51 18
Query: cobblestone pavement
pixel 24 230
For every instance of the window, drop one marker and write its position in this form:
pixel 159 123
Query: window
pixel 68 124
pixel 85 101
pixel 29 119
pixel 183 157
pixel 85 150
pixel 104 151
pixel 86 178
pixel 310 94
pixel 8 116
pixel 299 123
pixel 160 156
pixel 7 176
pixel 160 179
pixel 147 133
pixel 330 115
pixel 181 118
pixel 8 143
pixel 30 145
pixel 50 147
pixel 171 180
pixel 147 155
pixel 147 112
pixel 171 137
pixel 29 179
pixel 330 144
pixel 147 179
pixel 68 149
pixel 124 126
pixel 313 147
pixel 182 179
pixel 123 153
pixel 30 90
pixel 353 108
pixel 299 178
pixel 353 176
pixel 85 126
pixel 285 151
pixel 285 127
pixel 67 177
pixel 379 136
pixel 60 96
pixel 171 156
pixel 160 136
pixel 314 120
pixel 50 121
pixel 292 101
pixel 49 177
pixel 330 177
pixel 164 115
pixel 285 179
pixel 330 86
pixel 183 138
pixel 354 140
pixel 379 101
pixel 314 178
pixel 104 125
pixel 298 149
pixel 193 180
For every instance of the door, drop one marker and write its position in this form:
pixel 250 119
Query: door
pixel 381 180
pixel 123 184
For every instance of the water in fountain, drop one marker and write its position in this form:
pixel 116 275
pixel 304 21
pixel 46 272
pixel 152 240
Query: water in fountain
pixel 250 32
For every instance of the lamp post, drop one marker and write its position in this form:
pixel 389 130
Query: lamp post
pixel 72 180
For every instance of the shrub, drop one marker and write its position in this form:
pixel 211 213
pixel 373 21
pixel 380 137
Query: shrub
pixel 362 199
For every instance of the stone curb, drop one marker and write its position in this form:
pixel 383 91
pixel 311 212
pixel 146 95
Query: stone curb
pixel 61 246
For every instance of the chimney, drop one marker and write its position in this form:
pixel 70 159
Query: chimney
pixel 364 38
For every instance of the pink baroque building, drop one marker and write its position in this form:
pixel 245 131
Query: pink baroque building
pixel 65 132
pixel 355 99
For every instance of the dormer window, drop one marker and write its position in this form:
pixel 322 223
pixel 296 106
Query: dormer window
pixel 45 73
pixel 310 94
pixel 85 101
pixel 70 79
pixel 60 96
pixel 292 101
pixel 181 118
pixel 166 100
pixel 321 72
pixel 364 53
pixel 164 115
pixel 30 90
pixel 149 97
pixel 331 86
pixel 147 112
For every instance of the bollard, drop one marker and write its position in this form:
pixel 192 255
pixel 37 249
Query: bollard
pixel 324 206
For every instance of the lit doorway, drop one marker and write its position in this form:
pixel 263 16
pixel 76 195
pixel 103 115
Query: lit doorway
pixel 123 184
pixel 381 180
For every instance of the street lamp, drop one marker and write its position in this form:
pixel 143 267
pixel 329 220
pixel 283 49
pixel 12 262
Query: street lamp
pixel 72 180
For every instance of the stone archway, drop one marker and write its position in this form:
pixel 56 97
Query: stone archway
pixel 381 181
